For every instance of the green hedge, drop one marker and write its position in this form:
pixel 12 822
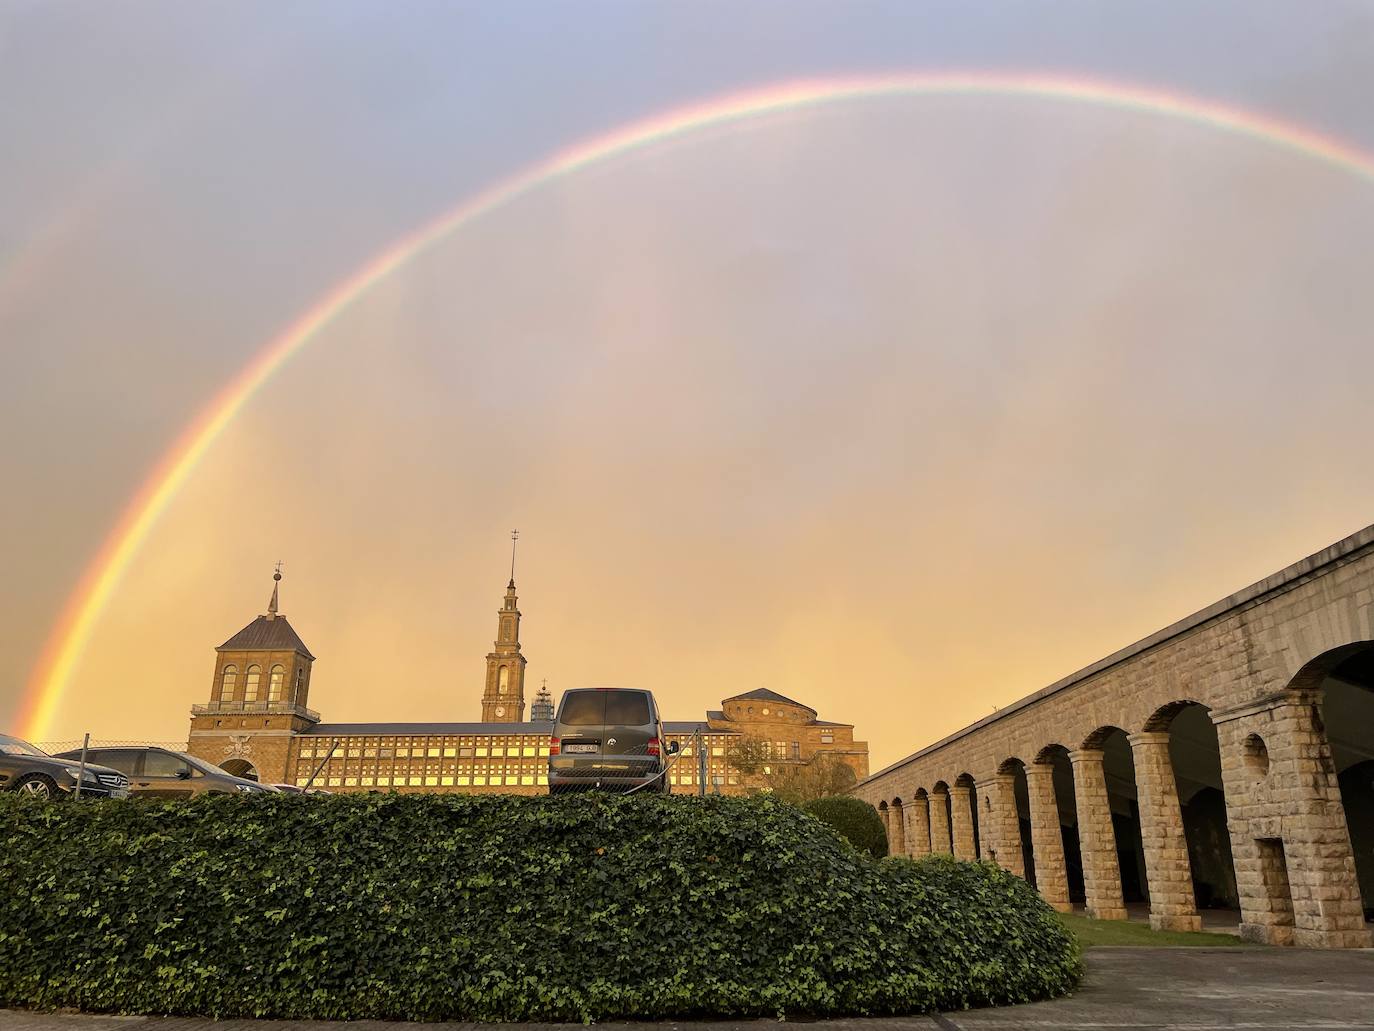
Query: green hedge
pixel 855 820
pixel 485 908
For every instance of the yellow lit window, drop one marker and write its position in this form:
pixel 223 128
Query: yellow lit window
pixel 526 780
pixel 415 782
pixel 464 781
pixel 333 782
pixel 527 750
pixel 450 753
pixel 479 781
pixel 481 751
pixel 544 778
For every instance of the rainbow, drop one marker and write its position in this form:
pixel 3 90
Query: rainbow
pixel 63 650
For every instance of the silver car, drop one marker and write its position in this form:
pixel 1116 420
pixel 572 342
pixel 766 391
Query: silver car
pixel 609 738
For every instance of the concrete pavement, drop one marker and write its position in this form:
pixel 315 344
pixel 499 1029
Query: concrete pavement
pixel 1125 990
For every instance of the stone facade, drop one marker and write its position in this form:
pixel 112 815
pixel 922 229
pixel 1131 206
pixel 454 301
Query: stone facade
pixel 262 727
pixel 1256 662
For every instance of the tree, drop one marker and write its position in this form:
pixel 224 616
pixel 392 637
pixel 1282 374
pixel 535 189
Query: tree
pixel 792 780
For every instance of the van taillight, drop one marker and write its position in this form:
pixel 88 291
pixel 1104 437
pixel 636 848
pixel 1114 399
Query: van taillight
pixel 653 746
pixel 554 746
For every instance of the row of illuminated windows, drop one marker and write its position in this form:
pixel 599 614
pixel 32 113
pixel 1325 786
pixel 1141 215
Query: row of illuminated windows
pixel 432 751
pixel 430 781
pixel 429 769
pixel 447 748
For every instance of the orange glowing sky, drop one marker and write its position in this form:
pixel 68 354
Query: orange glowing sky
pixel 903 408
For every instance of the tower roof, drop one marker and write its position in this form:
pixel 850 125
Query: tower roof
pixel 269 633
pixel 266 634
pixel 765 695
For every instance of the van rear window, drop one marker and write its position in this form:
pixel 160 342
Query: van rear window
pixel 627 708
pixel 583 709
pixel 610 708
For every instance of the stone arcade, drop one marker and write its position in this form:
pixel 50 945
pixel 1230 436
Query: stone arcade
pixel 1226 761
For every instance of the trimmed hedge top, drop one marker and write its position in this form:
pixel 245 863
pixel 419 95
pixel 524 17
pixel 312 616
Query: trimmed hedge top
pixel 425 907
pixel 856 820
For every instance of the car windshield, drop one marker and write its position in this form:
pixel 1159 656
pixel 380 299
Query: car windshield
pixel 16 746
pixel 200 764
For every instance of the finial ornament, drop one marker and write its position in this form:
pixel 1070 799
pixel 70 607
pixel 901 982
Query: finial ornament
pixel 514 536
pixel 276 580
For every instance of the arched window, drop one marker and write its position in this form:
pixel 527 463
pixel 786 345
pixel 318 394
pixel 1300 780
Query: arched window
pixel 250 686
pixel 274 684
pixel 227 683
pixel 296 691
pixel 503 681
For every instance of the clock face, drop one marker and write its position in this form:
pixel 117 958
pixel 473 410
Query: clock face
pixel 500 710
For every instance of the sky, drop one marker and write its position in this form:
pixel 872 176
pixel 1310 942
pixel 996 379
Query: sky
pixel 903 407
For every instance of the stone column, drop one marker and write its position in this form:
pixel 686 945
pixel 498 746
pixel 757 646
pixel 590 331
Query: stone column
pixel 1295 869
pixel 918 827
pixel 999 826
pixel 885 814
pixel 1047 839
pixel 939 823
pixel 1096 837
pixel 1167 868
pixel 961 822
pixel 896 840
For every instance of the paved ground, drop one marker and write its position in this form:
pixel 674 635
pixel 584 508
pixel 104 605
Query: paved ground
pixel 1125 990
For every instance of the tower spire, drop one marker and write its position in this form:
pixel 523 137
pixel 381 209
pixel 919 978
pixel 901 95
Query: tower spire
pixel 276 582
pixel 514 536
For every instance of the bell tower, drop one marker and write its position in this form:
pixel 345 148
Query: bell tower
pixel 503 700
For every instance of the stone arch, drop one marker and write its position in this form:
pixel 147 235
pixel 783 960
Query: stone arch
pixel 1193 799
pixel 963 813
pixel 1340 686
pixel 239 767
pixel 1110 840
pixel 1058 803
pixel 896 837
pixel 1096 739
pixel 918 824
pixel 1020 800
pixel 940 838
pixel 1163 717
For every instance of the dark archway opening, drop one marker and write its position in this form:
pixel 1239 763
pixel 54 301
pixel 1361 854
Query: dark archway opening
pixel 966 781
pixel 1020 793
pixel 1118 766
pixel 1348 713
pixel 1195 756
pixel 1066 801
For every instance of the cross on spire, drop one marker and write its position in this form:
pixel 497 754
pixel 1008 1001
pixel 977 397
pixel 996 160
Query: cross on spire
pixel 514 536
pixel 276 581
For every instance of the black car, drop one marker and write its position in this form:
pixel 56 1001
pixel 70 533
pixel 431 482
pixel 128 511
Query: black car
pixel 33 772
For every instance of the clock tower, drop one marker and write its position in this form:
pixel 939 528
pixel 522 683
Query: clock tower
pixel 503 700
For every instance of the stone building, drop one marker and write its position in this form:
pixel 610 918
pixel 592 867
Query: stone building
pixel 257 723
pixel 1225 762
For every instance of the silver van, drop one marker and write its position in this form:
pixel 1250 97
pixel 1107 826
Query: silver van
pixel 609 738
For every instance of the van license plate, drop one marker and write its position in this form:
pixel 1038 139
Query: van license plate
pixel 579 748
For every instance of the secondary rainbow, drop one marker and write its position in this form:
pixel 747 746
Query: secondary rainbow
pixel 62 652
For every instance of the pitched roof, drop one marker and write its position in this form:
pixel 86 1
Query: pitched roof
pixel 266 635
pixel 765 695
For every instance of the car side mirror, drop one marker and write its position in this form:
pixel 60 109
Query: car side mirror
pixel 673 748
pixel 183 774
